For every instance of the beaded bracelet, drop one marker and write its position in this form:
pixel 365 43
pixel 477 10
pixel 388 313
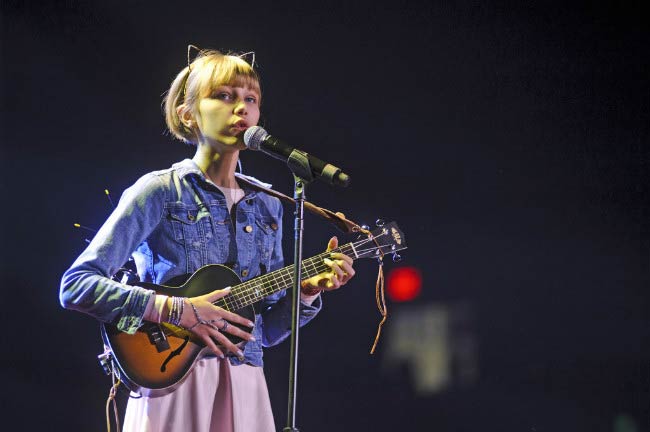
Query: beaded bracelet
pixel 179 310
pixel 176 311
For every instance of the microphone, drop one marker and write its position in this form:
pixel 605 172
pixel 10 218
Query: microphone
pixel 256 138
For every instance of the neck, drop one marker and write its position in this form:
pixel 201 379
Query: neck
pixel 217 166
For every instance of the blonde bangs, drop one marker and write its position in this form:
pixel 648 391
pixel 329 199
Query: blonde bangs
pixel 230 71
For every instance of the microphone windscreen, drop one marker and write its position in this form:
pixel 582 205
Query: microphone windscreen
pixel 254 136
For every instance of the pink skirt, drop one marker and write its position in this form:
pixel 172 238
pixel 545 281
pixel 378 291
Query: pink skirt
pixel 214 397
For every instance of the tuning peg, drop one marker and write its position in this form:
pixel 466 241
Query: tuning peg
pixel 365 227
pixel 380 222
pixel 397 257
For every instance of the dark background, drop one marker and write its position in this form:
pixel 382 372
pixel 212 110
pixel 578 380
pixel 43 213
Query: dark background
pixel 509 140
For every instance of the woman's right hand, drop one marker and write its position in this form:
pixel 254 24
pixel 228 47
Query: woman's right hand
pixel 208 322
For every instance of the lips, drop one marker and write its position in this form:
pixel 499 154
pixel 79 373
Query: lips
pixel 240 125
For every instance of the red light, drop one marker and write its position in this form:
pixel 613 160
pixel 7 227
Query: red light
pixel 404 284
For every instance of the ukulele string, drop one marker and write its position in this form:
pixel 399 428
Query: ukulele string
pixel 251 291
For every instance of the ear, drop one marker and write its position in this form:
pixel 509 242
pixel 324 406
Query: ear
pixel 185 115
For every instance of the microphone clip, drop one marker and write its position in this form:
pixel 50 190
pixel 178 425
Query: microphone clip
pixel 299 165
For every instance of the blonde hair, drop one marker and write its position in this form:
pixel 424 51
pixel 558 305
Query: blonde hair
pixel 209 70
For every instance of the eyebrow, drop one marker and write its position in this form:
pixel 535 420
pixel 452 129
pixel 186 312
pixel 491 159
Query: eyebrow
pixel 236 86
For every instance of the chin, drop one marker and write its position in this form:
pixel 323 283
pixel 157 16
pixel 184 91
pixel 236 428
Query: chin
pixel 229 141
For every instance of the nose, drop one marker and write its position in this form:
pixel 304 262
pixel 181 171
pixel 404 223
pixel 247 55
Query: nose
pixel 240 108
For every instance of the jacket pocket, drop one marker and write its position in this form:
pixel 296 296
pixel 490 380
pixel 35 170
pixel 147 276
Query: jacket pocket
pixel 190 225
pixel 266 239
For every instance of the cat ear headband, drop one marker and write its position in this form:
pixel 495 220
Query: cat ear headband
pixel 248 57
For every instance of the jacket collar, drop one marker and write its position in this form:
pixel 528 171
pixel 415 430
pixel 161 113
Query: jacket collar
pixel 187 167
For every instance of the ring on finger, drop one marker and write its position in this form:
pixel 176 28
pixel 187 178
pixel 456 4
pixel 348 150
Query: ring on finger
pixel 225 324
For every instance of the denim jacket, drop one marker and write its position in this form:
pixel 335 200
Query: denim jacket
pixel 172 222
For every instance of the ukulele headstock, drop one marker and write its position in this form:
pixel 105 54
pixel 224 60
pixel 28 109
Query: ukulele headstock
pixel 386 239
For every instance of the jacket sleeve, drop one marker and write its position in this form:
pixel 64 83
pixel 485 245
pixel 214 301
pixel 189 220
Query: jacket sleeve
pixel 87 285
pixel 276 308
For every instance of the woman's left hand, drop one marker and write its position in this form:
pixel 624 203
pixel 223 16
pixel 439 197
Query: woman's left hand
pixel 340 272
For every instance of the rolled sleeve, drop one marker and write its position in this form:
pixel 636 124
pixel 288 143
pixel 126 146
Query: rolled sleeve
pixel 136 304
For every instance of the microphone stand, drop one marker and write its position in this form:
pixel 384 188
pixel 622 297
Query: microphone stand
pixel 298 162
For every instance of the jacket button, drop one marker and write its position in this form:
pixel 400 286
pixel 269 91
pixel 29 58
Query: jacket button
pixel 190 216
pixel 249 201
pixel 274 226
pixel 248 229
pixel 244 272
